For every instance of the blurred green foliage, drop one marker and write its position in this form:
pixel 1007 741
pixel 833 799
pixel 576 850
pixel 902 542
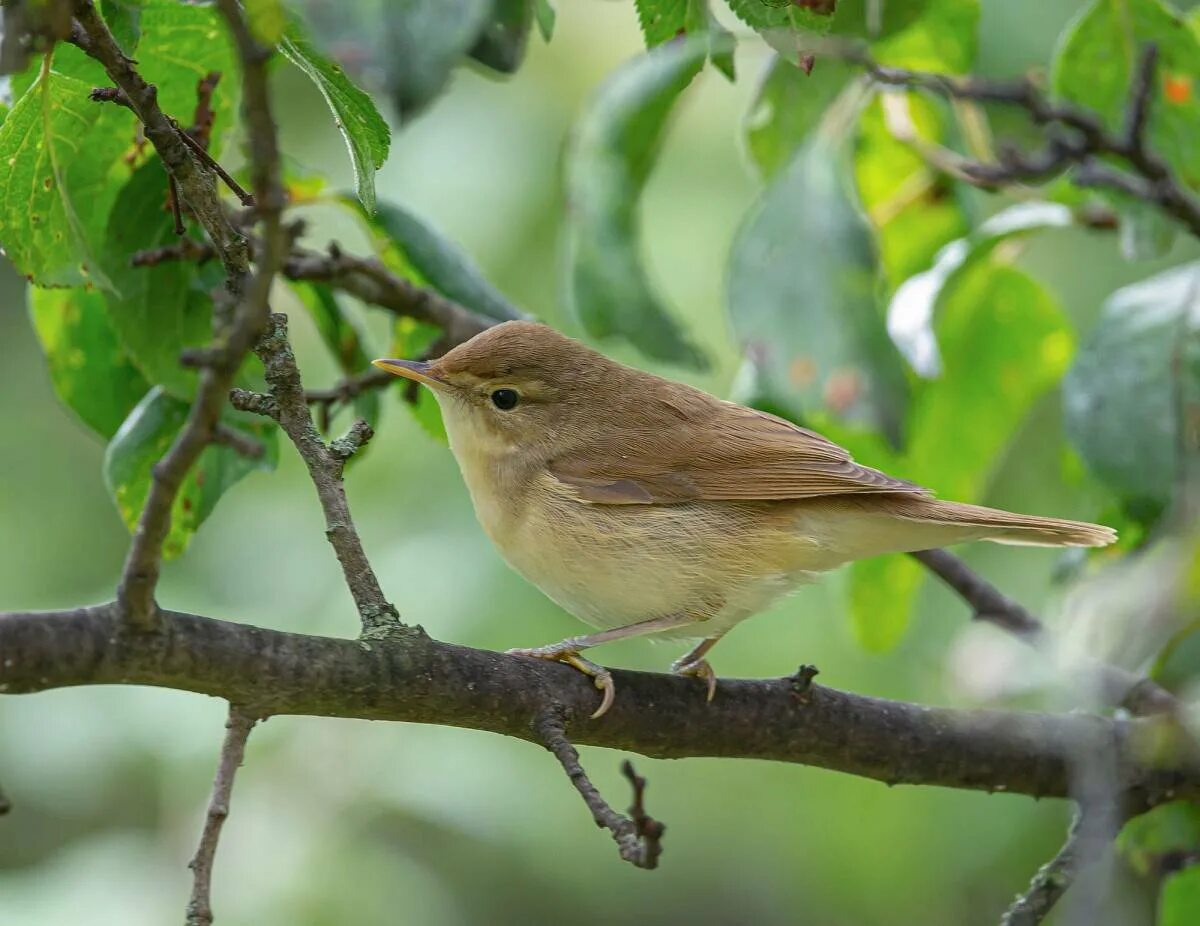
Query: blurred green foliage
pixel 822 267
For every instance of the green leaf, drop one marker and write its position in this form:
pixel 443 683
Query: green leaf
pixel 803 298
pixel 1168 828
pixel 501 45
pixel 882 590
pixel 609 158
pixel 367 135
pixel 432 259
pixel 544 14
pixel 868 19
pixel 153 309
pixel 266 19
pixel 813 16
pixel 345 339
pixel 426 39
pixel 89 369
pixel 1180 901
pixel 1146 233
pixel 124 18
pixel 943 39
pixel 56 152
pixel 1004 342
pixel 142 440
pixel 787 107
pixel 661 20
pixel 1095 64
pixel 1139 365
pixel 912 207
pixel 911 311
pixel 664 20
pixel 786 26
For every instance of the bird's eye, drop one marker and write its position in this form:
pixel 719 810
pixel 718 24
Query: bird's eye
pixel 505 399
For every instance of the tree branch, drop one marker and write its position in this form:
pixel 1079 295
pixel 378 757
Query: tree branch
pixel 639 839
pixel 1139 695
pixel 1085 141
pixel 369 280
pixel 287 404
pixel 422 681
pixel 233 751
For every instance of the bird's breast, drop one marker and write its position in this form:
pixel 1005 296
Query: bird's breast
pixel 611 565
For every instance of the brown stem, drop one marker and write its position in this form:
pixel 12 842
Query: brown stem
pixel 288 406
pixel 639 839
pixel 1139 695
pixel 233 751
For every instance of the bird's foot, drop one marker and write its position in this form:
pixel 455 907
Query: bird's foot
pixel 567 652
pixel 697 668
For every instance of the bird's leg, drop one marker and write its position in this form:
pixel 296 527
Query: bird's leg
pixel 694 664
pixel 569 649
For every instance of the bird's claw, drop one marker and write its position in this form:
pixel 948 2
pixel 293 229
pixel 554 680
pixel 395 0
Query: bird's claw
pixel 698 668
pixel 562 652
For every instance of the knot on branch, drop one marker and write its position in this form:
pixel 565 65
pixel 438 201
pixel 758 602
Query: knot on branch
pixel 354 440
pixel 247 401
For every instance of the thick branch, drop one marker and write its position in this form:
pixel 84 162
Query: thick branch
pixel 639 839
pixel 422 681
pixel 288 405
pixel 233 751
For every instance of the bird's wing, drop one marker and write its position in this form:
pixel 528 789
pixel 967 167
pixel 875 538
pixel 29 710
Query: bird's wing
pixel 719 451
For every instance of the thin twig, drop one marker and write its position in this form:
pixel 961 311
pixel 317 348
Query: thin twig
pixel 371 281
pixel 1141 696
pixel 243 444
pixel 639 840
pixel 233 752
pixel 184 249
pixel 347 390
pixel 1085 140
pixel 1050 882
pixel 215 166
pixel 173 198
pixel 287 405
pixel 205 116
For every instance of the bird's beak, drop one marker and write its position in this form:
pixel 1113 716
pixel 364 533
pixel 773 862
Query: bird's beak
pixel 411 369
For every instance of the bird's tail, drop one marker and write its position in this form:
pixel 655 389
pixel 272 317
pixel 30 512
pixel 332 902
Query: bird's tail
pixel 979 523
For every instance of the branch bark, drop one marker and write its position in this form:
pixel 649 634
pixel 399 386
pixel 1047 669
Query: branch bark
pixel 288 405
pixel 423 681
pixel 1138 695
pixel 1077 138
pixel 233 751
pixel 638 839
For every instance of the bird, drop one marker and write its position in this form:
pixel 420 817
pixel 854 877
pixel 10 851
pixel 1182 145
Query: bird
pixel 647 507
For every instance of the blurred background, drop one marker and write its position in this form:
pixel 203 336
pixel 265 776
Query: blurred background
pixel 354 822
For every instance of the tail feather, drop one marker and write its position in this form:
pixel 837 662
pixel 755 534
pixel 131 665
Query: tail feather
pixel 1004 526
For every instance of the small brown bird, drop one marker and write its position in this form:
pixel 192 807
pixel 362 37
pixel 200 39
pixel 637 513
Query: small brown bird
pixel 644 506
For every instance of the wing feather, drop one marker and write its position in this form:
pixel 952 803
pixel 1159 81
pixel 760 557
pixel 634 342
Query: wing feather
pixel 690 447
